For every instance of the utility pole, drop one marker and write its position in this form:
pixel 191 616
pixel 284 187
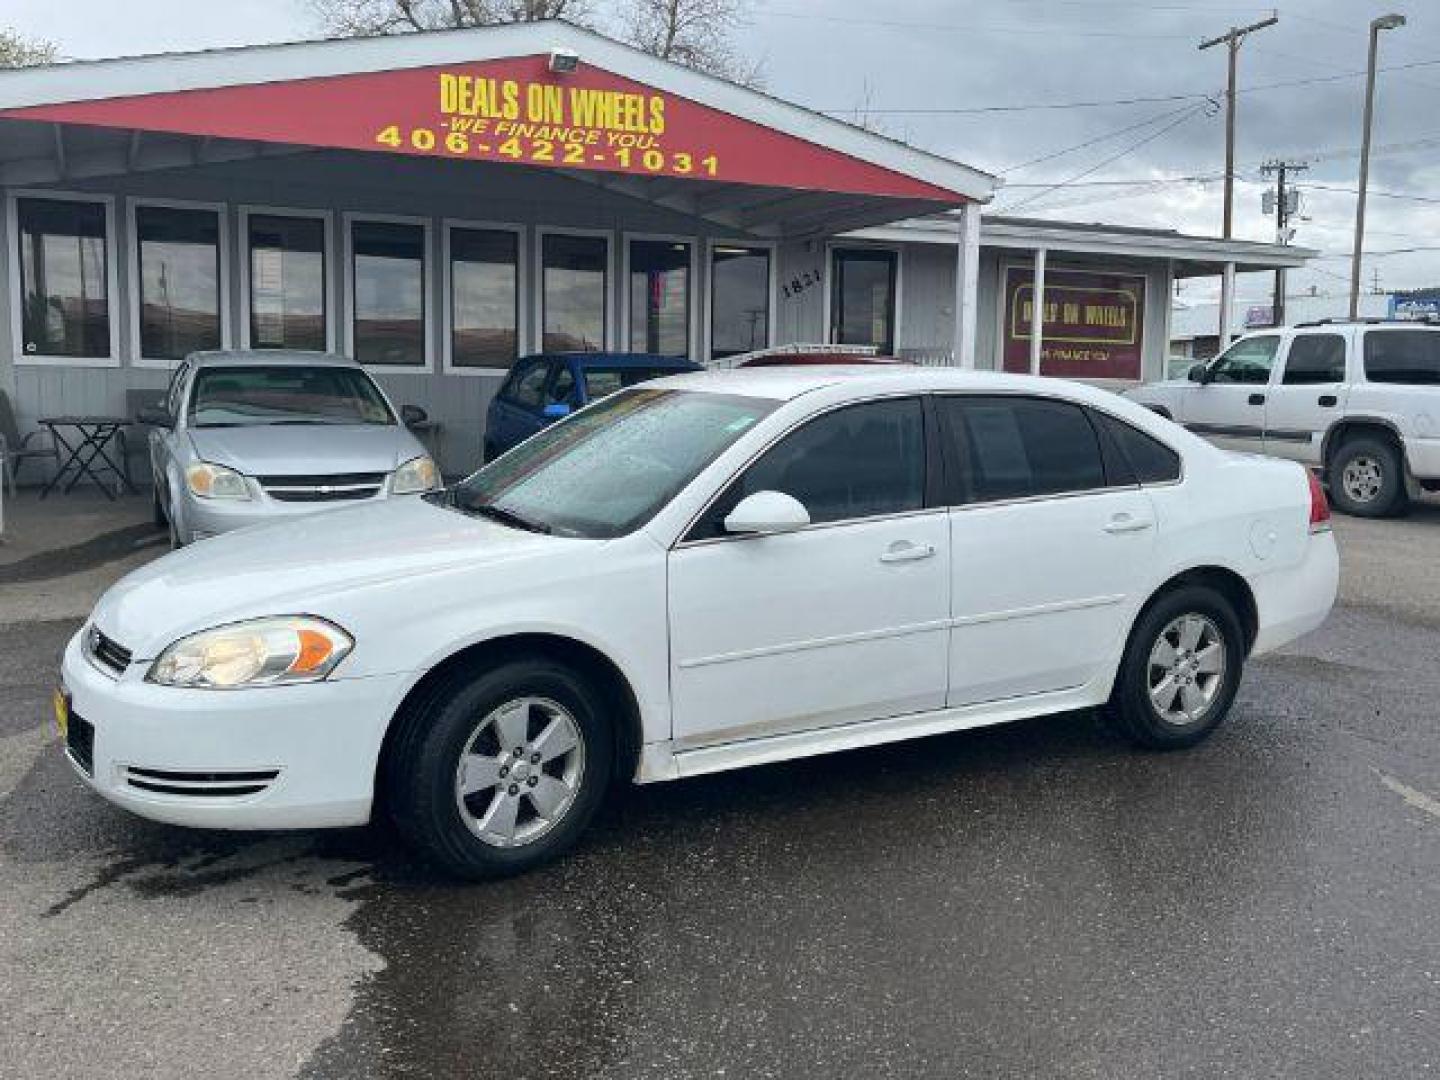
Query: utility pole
pixel 1232 40
pixel 1287 201
pixel 1384 22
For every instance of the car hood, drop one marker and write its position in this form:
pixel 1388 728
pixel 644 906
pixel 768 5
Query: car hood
pixel 308 449
pixel 301 565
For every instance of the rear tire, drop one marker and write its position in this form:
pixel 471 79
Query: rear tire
pixel 462 797
pixel 1181 669
pixel 1366 477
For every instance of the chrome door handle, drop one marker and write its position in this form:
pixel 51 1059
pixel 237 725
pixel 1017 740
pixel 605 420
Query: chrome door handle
pixel 1127 523
pixel 905 551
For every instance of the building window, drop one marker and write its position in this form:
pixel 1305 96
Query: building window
pixel 287 282
pixel 484 297
pixel 63 278
pixel 660 297
pixel 388 295
pixel 739 300
pixel 862 298
pixel 574 285
pixel 179 252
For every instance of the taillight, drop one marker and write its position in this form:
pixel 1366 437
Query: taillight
pixel 1319 505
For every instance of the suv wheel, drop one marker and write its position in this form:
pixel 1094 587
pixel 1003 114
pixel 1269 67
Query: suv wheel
pixel 1180 671
pixel 499 771
pixel 1367 478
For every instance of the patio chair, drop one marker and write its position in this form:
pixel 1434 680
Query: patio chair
pixel 16 449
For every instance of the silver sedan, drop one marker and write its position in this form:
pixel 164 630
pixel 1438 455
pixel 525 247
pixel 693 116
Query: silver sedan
pixel 246 437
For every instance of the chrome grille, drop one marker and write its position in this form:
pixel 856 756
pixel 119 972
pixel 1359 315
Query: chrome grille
pixel 106 651
pixel 331 487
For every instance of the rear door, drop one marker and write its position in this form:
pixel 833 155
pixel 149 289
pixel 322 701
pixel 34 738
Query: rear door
pixel 1306 396
pixel 1051 538
pixel 1229 409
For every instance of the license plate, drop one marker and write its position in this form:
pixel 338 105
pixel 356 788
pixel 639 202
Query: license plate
pixel 61 703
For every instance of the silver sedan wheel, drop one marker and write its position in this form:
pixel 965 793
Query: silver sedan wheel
pixel 520 771
pixel 1363 479
pixel 1186 670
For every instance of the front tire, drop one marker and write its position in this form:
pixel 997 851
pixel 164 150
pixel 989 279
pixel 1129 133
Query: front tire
pixel 1367 478
pixel 1180 671
pixel 499 771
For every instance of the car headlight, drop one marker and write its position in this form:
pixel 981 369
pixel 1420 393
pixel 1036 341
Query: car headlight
pixel 417 474
pixel 216 482
pixel 261 652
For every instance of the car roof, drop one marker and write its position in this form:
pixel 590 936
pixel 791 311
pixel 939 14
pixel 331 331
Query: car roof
pixel 269 358
pixel 624 360
pixel 788 383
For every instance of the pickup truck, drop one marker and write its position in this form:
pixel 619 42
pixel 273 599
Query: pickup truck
pixel 1358 401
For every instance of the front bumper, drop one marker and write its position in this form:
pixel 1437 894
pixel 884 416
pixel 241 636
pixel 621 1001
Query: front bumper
pixel 201 518
pixel 321 741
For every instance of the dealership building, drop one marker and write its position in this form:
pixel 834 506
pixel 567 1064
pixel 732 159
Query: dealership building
pixel 438 205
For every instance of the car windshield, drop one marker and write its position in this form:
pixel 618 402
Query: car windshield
pixel 285 394
pixel 609 468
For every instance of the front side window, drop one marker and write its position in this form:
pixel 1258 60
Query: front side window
pixel 65 294
pixel 573 288
pixel 608 470
pixel 285 394
pixel 1247 361
pixel 660 297
pixel 388 304
pixel 1315 359
pixel 1017 447
pixel 527 387
pixel 857 462
pixel 862 300
pixel 179 250
pixel 739 300
pixel 287 282
pixel 484 297
pixel 1403 356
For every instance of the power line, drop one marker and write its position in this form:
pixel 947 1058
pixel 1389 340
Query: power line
pixel 977 28
pixel 1131 148
pixel 1097 139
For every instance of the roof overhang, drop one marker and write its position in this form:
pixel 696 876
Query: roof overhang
pixel 622 119
pixel 1191 256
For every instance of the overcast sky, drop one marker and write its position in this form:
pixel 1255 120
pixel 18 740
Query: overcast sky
pixel 898 59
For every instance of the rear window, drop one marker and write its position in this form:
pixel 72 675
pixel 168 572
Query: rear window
pixel 1403 356
pixel 1016 447
pixel 601 382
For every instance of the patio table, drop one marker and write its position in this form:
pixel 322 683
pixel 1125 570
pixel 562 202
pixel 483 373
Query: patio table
pixel 85 453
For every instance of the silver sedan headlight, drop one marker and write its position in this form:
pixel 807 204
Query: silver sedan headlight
pixel 417 474
pixel 210 481
pixel 261 652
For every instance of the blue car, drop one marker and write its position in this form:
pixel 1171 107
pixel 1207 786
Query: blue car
pixel 541 389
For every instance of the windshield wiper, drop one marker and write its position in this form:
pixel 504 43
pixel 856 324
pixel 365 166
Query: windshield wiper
pixel 506 517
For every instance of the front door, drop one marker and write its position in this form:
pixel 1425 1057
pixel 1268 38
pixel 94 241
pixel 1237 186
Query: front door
pixel 862 297
pixel 1307 398
pixel 1229 409
pixel 1049 544
pixel 845 620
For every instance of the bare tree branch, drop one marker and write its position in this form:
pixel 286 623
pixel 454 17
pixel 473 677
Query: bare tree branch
pixel 17 51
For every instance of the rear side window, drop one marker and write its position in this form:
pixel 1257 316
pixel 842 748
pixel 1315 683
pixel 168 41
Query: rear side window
pixel 1403 356
pixel 1151 461
pixel 859 461
pixel 1017 447
pixel 1315 358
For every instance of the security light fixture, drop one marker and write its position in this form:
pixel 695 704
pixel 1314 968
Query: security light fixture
pixel 1388 22
pixel 564 61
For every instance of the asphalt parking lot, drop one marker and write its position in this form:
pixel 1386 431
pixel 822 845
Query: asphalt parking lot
pixel 1034 900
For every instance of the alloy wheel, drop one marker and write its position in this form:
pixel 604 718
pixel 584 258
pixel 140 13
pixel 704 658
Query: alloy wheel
pixel 1186 670
pixel 520 771
pixel 1362 478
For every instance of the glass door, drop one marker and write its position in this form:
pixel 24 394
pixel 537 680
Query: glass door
pixel 862 297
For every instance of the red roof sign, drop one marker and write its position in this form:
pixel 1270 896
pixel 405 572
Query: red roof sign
pixel 505 110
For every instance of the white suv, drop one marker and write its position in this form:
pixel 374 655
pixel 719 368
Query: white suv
pixel 1358 400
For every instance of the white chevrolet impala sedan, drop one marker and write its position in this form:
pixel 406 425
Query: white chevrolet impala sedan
pixel 707 572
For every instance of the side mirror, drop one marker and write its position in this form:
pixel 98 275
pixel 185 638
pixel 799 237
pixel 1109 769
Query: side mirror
pixel 767 512
pixel 154 416
pixel 1200 373
pixel 555 410
pixel 411 415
